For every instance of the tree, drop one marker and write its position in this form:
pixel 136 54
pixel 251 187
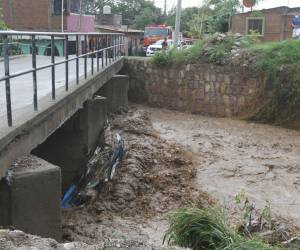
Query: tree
pixel 147 16
pixel 2 23
pixel 213 16
pixel 186 16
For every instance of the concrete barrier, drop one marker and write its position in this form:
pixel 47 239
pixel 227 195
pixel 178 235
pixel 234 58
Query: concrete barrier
pixel 31 202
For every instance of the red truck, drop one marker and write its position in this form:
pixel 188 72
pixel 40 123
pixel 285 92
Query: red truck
pixel 154 33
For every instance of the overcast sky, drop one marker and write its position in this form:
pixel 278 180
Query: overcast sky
pixel 263 5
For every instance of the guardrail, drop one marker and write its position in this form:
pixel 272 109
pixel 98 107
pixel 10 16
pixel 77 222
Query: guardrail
pixel 102 47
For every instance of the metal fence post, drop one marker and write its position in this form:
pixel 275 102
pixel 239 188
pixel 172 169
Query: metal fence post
pixel 97 54
pixel 35 104
pixel 106 50
pixel 77 59
pixel 53 66
pixel 7 81
pixel 67 62
pixel 85 57
pixel 102 52
pixel 92 55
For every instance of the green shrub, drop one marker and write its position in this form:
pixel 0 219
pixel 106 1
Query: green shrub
pixel 173 56
pixel 199 229
pixel 207 229
pixel 162 58
pixel 216 54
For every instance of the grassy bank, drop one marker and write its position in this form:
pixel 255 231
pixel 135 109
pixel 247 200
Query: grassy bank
pixel 208 229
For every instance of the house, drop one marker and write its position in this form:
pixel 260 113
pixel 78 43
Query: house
pixel 45 15
pixel 134 37
pixel 108 22
pixel 269 24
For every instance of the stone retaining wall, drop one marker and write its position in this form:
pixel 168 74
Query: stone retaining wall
pixel 197 88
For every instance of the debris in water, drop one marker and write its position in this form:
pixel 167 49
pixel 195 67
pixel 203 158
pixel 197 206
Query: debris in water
pixel 100 170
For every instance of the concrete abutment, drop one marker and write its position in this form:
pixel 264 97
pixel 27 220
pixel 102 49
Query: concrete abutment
pixel 70 146
pixel 30 201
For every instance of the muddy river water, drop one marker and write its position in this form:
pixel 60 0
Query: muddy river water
pixel 234 155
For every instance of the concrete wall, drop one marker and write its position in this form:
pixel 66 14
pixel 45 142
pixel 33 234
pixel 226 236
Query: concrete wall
pixel 72 144
pixel 87 23
pixel 30 15
pixel 198 88
pixel 38 15
pixel 31 201
pixel 116 92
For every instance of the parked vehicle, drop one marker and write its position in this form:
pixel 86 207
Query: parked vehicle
pixel 153 33
pixel 157 46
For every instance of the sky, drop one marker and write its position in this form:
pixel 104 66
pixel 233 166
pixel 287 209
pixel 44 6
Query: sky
pixel 263 5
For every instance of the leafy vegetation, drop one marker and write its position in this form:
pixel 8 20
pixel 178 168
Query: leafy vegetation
pixel 213 16
pixel 2 23
pixel 171 57
pixel 207 229
pixel 279 62
pixel 214 49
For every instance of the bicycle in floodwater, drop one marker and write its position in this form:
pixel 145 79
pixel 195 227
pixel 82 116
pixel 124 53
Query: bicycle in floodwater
pixel 100 169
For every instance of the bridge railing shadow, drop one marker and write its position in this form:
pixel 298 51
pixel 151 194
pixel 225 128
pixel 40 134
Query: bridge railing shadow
pixel 100 49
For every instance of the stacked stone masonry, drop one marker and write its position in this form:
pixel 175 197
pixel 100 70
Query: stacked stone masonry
pixel 208 89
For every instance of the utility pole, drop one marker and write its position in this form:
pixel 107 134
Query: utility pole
pixel 80 15
pixel 165 9
pixel 177 23
pixel 62 15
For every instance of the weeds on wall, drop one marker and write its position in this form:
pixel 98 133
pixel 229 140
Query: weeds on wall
pixel 214 49
pixel 280 64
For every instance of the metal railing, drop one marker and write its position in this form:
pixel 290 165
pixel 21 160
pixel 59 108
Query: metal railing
pixel 105 48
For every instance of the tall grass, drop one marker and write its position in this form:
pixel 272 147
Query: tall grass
pixel 207 229
pixel 279 62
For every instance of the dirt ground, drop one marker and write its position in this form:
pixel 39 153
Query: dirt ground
pixel 155 177
pixel 234 155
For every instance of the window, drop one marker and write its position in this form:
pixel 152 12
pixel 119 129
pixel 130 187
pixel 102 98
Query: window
pixel 255 25
pixel 57 7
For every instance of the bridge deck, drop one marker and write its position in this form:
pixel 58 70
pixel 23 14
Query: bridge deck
pixel 22 86
pixel 30 127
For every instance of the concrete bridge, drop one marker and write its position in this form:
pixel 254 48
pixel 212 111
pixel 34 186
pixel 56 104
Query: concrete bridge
pixel 71 98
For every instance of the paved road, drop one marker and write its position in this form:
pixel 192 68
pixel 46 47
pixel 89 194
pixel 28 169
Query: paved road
pixel 22 87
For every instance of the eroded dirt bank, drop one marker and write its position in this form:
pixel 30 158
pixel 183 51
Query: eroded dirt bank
pixel 155 177
pixel 235 155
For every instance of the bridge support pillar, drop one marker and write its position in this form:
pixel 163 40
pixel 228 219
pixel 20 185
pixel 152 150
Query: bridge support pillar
pixel 71 145
pixel 116 92
pixel 31 201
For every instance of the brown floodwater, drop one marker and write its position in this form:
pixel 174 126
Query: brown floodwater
pixel 234 155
